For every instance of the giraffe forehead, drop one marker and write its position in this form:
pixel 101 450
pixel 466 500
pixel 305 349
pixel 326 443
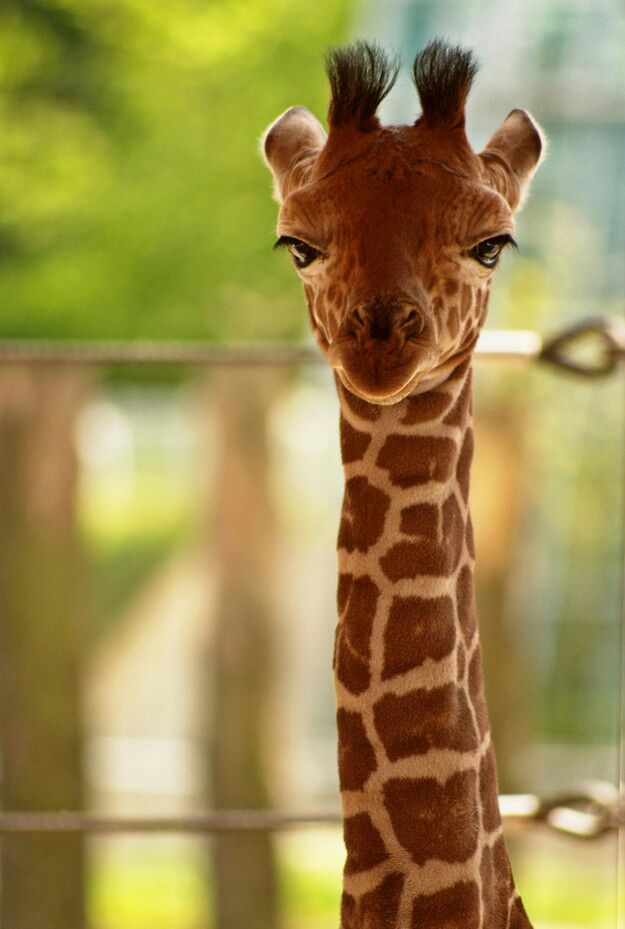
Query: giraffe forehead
pixel 393 202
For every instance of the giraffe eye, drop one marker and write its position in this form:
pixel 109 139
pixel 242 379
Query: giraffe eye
pixel 302 253
pixel 488 251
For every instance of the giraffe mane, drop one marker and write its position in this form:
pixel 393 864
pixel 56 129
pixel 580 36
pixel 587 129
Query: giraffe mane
pixel 443 74
pixel 360 75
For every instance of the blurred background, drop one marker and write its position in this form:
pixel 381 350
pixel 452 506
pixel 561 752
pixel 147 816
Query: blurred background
pixel 167 566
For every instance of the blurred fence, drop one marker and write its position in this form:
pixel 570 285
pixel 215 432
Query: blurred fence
pixel 589 348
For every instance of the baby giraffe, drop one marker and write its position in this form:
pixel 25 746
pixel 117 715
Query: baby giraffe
pixel 395 232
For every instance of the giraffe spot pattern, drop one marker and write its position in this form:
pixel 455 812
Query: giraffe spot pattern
pixel 357 598
pixel 458 373
pixel 360 602
pixel 417 628
pixel 433 820
pixel 496 881
pixel 353 442
pixel 465 601
pixel 453 321
pixel 356 755
pixel 461 662
pixel 429 556
pixel 463 467
pixel 376 909
pixel 456 907
pixel 351 670
pixel 343 590
pixel 459 412
pixel 423 719
pixel 476 692
pixel 466 301
pixel 470 537
pixel 364 511
pixel 364 844
pixel 423 408
pixel 368 411
pixel 420 520
pixel 414 459
pixel 491 817
pixel 482 306
pixel 518 916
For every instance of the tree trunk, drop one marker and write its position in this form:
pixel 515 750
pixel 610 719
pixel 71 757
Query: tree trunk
pixel 244 865
pixel 41 637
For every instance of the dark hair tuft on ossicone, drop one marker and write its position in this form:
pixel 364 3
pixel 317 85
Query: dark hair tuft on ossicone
pixel 443 75
pixel 360 75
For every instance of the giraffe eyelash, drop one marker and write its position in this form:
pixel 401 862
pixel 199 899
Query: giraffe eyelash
pixel 301 252
pixel 488 251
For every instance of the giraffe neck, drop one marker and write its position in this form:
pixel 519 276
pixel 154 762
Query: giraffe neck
pixel 417 771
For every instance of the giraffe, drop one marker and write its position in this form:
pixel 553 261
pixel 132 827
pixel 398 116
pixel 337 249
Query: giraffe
pixel 395 232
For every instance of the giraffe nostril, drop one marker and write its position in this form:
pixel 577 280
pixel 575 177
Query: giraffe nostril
pixel 413 323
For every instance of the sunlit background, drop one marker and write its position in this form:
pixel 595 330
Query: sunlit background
pixel 167 565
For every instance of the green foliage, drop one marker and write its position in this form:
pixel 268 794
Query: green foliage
pixel 157 884
pixel 134 201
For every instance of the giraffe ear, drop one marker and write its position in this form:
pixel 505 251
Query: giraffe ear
pixel 290 146
pixel 512 155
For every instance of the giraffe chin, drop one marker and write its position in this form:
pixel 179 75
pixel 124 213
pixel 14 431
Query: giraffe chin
pixel 384 398
pixel 419 381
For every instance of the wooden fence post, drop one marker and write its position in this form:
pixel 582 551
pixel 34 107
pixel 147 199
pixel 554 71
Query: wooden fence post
pixel 241 743
pixel 41 639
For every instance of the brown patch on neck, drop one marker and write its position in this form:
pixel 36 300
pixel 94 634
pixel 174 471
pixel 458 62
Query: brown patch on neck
pixel 429 556
pixel 496 881
pixel 423 408
pixel 417 628
pixel 423 719
pixel 456 907
pixel 356 754
pixel 377 908
pixel 367 411
pixel 365 848
pixel 460 411
pixel 364 512
pixel 417 459
pixel 354 443
pixel 358 599
pixel 433 820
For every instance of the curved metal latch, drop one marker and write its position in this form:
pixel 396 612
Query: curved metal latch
pixel 588 812
pixel 591 348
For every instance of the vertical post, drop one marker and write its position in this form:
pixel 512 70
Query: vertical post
pixel 496 494
pixel 41 607
pixel 241 741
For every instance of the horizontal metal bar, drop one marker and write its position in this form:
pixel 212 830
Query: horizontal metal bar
pixel 224 821
pixel 517 810
pixel 497 345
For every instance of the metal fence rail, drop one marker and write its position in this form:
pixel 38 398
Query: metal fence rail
pixel 587 813
pixel 589 347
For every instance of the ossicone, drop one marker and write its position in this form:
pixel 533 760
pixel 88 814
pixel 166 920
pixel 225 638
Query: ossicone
pixel 360 75
pixel 443 74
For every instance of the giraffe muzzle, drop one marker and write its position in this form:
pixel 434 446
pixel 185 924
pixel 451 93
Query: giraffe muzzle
pixel 381 348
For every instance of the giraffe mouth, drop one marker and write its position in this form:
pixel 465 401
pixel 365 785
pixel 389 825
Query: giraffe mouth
pixel 379 396
pixel 425 377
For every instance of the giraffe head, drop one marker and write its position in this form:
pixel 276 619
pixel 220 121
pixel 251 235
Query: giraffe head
pixel 395 230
